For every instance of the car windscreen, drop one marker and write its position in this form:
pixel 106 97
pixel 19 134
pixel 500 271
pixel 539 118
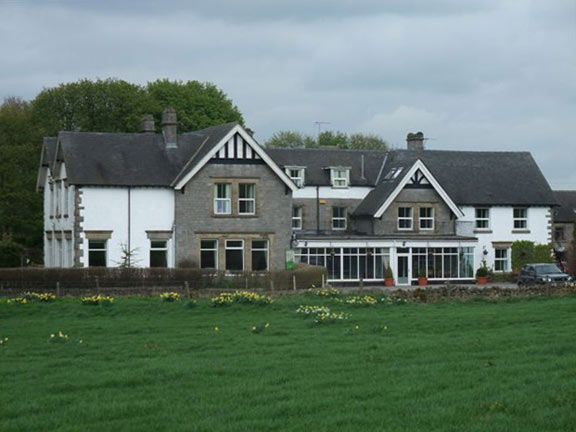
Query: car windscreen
pixel 547 269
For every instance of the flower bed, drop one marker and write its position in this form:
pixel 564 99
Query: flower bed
pixel 241 297
pixel 97 300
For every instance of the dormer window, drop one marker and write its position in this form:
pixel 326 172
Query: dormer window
pixel 340 177
pixel 296 174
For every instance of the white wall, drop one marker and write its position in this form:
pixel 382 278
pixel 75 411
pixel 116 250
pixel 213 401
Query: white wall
pixel 328 192
pixel 106 209
pixel 501 230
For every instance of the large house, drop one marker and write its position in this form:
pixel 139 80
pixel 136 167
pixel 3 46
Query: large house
pixel 216 199
pixel 564 220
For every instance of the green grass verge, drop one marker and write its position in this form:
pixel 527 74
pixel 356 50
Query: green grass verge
pixel 147 365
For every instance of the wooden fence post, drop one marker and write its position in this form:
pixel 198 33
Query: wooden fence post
pixel 323 281
pixel 294 282
pixel 187 289
pixel 58 289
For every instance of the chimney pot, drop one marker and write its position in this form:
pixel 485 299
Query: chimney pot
pixel 415 141
pixel 148 124
pixel 170 127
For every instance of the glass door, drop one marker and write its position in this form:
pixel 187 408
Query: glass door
pixel 403 270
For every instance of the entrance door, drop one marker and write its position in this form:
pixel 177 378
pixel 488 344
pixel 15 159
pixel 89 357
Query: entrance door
pixel 403 270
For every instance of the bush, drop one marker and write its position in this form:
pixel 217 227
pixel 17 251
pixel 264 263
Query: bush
pixel 10 253
pixel 526 252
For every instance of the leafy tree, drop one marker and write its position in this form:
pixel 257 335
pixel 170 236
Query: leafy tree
pixel 109 105
pixel 291 139
pixel 199 105
pixel 357 141
pixel 20 205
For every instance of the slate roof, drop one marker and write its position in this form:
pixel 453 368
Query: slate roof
pixel 113 159
pixel 317 162
pixel 565 212
pixel 470 178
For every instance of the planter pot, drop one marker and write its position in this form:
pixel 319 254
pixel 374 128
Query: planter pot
pixel 422 281
pixel 389 282
pixel 482 280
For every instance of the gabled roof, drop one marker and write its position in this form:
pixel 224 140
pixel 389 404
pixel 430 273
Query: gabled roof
pixel 46 160
pixel 209 149
pixel 114 159
pixel 317 162
pixel 470 178
pixel 566 212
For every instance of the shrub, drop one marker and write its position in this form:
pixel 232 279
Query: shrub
pixel 526 252
pixel 97 300
pixel 388 273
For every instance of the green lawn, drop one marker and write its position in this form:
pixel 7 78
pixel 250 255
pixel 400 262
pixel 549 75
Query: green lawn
pixel 147 365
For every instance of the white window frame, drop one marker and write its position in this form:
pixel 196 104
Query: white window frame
pixel 226 200
pixel 66 199
pixel 247 200
pixel 426 218
pixel 522 220
pixel 265 249
pixel 339 219
pixel 227 248
pixel 214 250
pixel 340 177
pixel 159 249
pixel 297 175
pixel 297 218
pixel 485 219
pixel 406 218
pixel 93 249
pixel 505 260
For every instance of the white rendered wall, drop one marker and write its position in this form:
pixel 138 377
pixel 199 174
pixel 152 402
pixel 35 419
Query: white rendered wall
pixel 58 223
pixel 328 192
pixel 106 209
pixel 502 230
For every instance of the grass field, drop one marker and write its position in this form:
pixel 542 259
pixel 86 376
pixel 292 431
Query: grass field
pixel 147 365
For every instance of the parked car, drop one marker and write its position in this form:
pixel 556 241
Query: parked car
pixel 541 274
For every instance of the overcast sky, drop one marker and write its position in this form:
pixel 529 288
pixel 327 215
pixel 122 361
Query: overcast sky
pixel 472 75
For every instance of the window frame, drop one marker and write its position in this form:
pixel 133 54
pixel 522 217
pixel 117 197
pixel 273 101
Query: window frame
pixel 298 218
pixel 478 219
pixel 214 251
pixel 158 249
pixel 345 179
pixel 247 200
pixel 266 251
pixel 559 234
pixel 499 259
pixel 227 248
pixel 426 218
pixel 227 199
pixel 522 220
pixel 94 249
pixel 405 218
pixel 343 218
pixel 298 179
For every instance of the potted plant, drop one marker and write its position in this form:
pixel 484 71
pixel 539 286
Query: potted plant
pixel 422 278
pixel 482 274
pixel 388 277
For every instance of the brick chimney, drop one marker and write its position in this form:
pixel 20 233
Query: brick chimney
pixel 148 124
pixel 170 127
pixel 415 141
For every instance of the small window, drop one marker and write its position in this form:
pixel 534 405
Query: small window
pixel 97 253
pixel 426 218
pixel 158 253
pixel 235 255
pixel 222 198
pixel 296 218
pixel 501 263
pixel 482 218
pixel 340 177
pixel 259 255
pixel 246 198
pixel 520 218
pixel 559 234
pixel 339 217
pixel 404 218
pixel 209 254
pixel 296 175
